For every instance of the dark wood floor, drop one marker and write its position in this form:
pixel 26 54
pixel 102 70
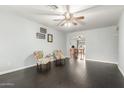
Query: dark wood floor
pixel 74 74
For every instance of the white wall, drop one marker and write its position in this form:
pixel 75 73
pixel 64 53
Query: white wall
pixel 101 43
pixel 121 44
pixel 18 42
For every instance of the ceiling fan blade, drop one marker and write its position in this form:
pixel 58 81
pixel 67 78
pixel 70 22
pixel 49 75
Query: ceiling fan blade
pixel 57 19
pixel 60 22
pixel 74 23
pixel 68 8
pixel 78 18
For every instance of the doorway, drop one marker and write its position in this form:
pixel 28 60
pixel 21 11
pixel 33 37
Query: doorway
pixel 78 48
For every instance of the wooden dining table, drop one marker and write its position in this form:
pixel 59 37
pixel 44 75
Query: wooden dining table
pixel 74 52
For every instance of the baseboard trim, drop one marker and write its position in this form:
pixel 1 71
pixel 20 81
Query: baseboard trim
pixel 121 70
pixel 17 69
pixel 102 61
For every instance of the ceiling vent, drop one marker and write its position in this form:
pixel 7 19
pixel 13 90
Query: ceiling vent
pixel 53 6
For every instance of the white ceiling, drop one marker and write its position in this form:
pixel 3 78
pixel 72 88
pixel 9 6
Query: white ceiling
pixel 95 16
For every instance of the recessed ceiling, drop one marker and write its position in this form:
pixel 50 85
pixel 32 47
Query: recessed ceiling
pixel 95 16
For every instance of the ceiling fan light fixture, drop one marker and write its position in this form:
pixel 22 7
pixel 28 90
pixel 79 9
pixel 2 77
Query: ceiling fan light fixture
pixel 67 24
pixel 67 15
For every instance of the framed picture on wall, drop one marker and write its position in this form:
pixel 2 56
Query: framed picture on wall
pixel 40 36
pixel 43 30
pixel 50 38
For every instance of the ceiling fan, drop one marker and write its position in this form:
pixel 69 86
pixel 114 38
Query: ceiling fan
pixel 69 18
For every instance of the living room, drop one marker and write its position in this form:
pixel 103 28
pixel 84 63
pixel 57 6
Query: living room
pixel 27 29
